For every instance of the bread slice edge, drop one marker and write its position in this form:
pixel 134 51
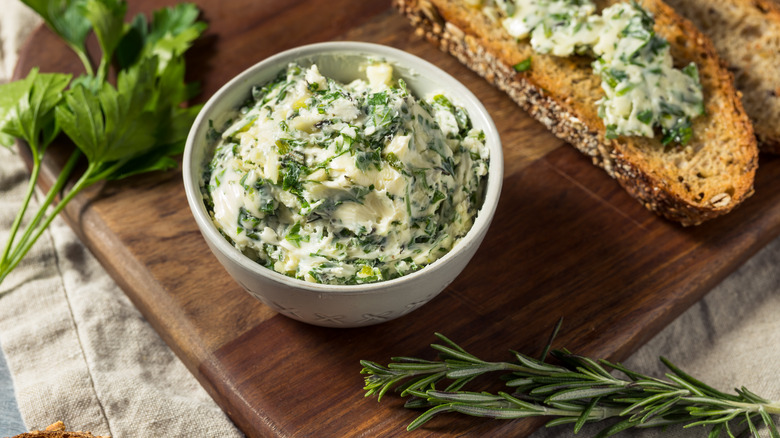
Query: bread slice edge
pixel 446 29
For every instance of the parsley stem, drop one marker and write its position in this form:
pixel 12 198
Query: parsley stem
pixel 30 235
pixel 133 127
pixel 90 176
pixel 102 71
pixel 84 57
pixel 96 173
pixel 36 167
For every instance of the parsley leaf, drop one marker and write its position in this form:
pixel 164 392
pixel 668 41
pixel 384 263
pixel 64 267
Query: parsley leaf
pixel 294 235
pixel 107 19
pixel 111 125
pixel 67 20
pixel 32 118
pixel 26 108
pixel 10 93
pixel 138 125
pixel 171 32
pixel 27 112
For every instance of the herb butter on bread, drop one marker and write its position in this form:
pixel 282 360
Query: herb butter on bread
pixel 690 178
pixel 746 34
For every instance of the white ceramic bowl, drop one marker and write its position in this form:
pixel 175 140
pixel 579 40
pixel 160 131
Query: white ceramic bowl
pixel 337 305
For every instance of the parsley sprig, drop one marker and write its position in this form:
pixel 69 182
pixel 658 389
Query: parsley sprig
pixel 574 390
pixel 137 125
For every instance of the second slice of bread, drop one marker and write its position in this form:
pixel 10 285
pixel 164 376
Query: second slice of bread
pixel 746 34
pixel 708 177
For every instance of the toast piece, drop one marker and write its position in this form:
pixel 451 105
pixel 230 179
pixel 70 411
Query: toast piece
pixel 708 177
pixel 746 34
pixel 56 430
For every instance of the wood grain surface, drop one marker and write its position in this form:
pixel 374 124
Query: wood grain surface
pixel 566 241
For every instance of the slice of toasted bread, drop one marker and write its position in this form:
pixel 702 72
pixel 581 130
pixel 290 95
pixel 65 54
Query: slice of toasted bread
pixel 56 430
pixel 708 177
pixel 746 34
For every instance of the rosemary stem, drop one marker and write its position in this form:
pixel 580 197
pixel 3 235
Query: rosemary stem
pixel 597 413
pixel 579 390
pixel 771 408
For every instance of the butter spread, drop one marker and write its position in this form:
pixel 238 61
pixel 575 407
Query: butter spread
pixel 643 90
pixel 345 183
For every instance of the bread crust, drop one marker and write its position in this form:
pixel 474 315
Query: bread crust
pixel 56 430
pixel 561 93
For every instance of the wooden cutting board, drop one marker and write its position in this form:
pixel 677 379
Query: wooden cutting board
pixel 566 241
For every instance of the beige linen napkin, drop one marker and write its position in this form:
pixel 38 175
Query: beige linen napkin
pixel 77 349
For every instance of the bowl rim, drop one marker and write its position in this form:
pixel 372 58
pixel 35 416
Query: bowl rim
pixel 464 98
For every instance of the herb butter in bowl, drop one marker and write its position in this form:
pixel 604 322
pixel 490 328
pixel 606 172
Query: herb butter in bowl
pixel 343 184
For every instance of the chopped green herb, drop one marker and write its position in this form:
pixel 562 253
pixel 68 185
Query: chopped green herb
pixel 523 65
pixel 636 71
pixel 365 174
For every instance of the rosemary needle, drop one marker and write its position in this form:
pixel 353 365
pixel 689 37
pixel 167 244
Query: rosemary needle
pixel 575 390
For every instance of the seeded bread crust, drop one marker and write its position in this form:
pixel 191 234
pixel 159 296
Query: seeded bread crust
pixel 708 177
pixel 56 430
pixel 746 34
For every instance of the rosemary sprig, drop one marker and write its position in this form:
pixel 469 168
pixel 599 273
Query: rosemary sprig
pixel 577 390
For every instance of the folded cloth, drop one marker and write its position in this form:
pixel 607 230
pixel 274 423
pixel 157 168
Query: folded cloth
pixel 79 351
pixel 76 347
